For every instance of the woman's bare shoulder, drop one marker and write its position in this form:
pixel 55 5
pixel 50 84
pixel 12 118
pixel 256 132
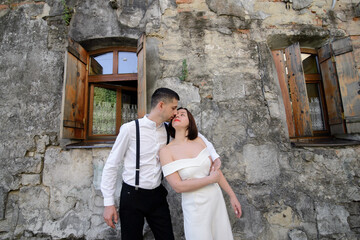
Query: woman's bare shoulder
pixel 200 141
pixel 165 155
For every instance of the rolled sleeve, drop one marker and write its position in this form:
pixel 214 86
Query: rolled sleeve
pixel 210 147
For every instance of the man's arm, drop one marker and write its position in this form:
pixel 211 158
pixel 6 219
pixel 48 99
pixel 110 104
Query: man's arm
pixel 109 175
pixel 110 171
pixel 214 156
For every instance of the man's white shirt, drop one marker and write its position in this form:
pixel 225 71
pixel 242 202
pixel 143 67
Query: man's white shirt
pixel 152 139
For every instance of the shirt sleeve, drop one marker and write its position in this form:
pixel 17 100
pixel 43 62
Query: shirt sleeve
pixel 210 147
pixel 110 171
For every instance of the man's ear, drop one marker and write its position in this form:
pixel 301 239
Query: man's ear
pixel 161 105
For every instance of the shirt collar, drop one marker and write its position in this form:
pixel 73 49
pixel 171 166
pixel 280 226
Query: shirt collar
pixel 151 123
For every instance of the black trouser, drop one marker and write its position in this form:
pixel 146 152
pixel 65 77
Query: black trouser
pixel 151 204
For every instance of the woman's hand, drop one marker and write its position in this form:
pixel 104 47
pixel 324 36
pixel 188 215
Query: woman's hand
pixel 215 175
pixel 236 206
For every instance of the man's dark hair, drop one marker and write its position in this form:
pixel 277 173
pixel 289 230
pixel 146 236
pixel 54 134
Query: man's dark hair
pixel 192 129
pixel 163 94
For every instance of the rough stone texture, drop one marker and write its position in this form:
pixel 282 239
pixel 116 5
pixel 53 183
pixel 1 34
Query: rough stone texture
pixel 47 192
pixel 261 163
pixel 30 179
pixel 296 234
pixel 300 4
pixel 331 219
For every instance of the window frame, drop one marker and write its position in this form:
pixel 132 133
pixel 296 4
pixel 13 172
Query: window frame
pixel 76 86
pixel 286 91
pixel 339 89
pixel 317 79
pixel 119 90
pixel 101 80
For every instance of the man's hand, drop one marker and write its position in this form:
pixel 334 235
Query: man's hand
pixel 214 175
pixel 110 213
pixel 216 164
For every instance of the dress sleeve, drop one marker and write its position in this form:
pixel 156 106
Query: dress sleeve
pixel 210 147
pixel 170 168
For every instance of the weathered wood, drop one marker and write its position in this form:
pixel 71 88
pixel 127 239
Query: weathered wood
pixel 77 50
pixel 300 102
pixel 324 53
pixel 350 89
pixel 341 46
pixel 332 93
pixel 74 96
pixel 141 53
pixel 278 57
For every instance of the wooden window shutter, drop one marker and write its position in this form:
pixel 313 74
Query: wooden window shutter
pixel 349 83
pixel 74 115
pixel 298 93
pixel 278 57
pixel 343 86
pixel 141 54
pixel 331 89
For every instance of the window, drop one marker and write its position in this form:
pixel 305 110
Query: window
pixel 102 90
pixel 320 89
pixel 113 90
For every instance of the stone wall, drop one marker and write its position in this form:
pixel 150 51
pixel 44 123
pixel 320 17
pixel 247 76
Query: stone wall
pixel 48 192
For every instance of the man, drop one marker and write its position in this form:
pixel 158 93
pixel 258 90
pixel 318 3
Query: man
pixel 148 199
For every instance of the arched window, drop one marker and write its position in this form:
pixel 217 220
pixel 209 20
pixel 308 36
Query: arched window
pixel 102 90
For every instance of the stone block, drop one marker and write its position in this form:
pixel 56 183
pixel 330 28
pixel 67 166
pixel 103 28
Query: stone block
pixel 354 222
pixel 239 8
pixel 261 163
pixel 296 234
pixel 69 175
pixel 187 92
pixel 300 4
pixel 331 219
pixel 30 179
pixel 41 143
pixel 3 197
pixel 283 217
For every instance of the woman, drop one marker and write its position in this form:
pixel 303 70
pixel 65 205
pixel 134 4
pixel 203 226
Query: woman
pixel 186 165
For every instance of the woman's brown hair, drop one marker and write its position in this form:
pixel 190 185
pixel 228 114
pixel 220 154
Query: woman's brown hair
pixel 192 129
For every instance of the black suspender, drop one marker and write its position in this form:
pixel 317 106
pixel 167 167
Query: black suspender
pixel 167 133
pixel 137 169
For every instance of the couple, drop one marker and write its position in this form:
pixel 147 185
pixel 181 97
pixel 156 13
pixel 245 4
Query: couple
pixel 186 165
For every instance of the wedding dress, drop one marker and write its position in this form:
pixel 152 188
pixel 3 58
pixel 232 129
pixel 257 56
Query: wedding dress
pixel 205 214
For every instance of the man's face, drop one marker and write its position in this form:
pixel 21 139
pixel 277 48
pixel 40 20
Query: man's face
pixel 170 109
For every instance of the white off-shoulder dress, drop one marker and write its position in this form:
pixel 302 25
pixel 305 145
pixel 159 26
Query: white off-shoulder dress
pixel 205 214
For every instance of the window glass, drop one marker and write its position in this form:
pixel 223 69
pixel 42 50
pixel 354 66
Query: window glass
pixel 104 114
pixel 316 112
pixel 129 106
pixel 127 62
pixel 309 62
pixel 101 64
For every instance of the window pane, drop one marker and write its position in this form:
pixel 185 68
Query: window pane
pixel 127 62
pixel 316 111
pixel 309 62
pixel 129 106
pixel 102 64
pixel 104 115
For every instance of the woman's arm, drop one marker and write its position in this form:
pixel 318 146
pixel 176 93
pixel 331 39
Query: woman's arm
pixel 233 199
pixel 188 185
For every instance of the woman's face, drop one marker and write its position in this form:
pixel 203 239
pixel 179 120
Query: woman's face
pixel 181 119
